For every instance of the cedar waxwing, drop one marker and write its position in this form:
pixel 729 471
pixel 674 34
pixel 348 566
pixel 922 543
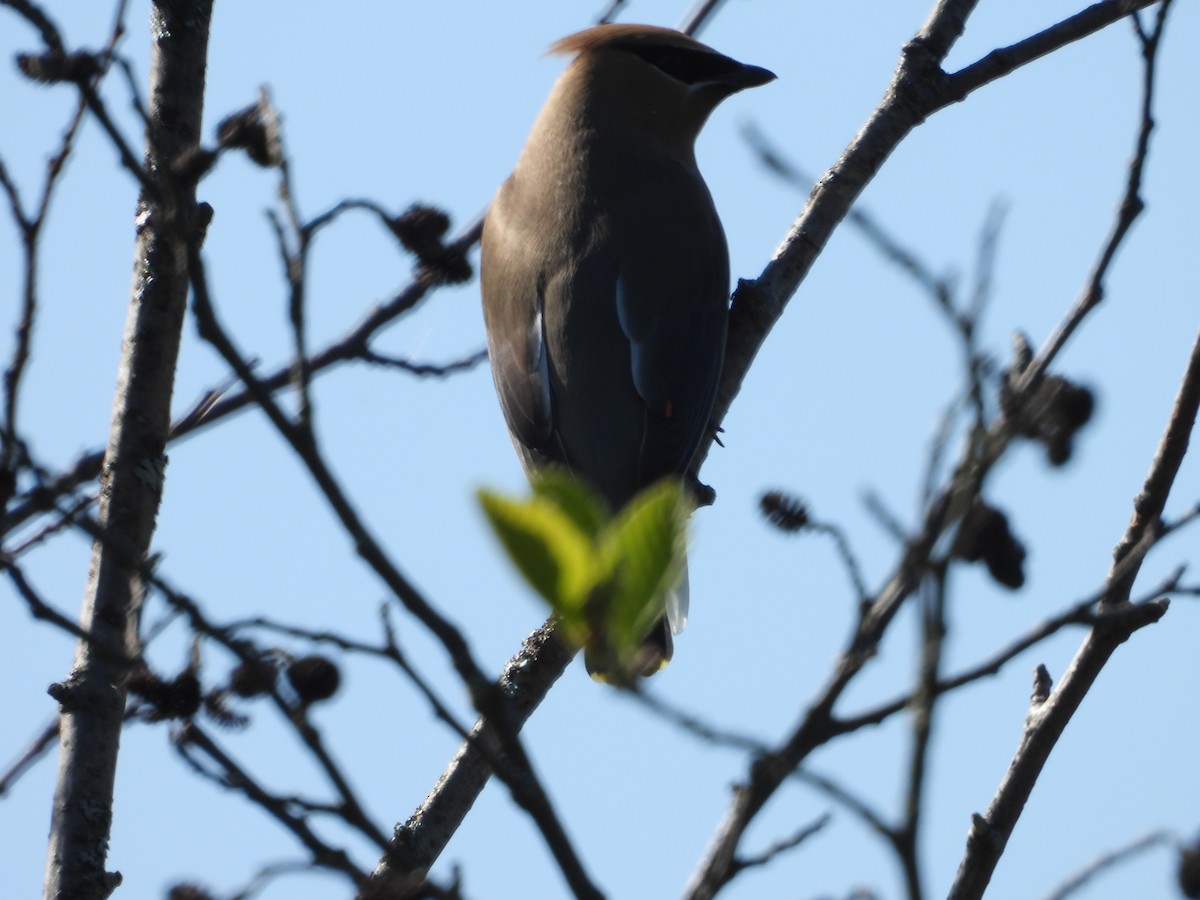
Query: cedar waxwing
pixel 605 274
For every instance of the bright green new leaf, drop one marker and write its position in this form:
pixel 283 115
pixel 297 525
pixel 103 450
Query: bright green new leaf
pixel 605 577
pixel 571 495
pixel 643 547
pixel 555 556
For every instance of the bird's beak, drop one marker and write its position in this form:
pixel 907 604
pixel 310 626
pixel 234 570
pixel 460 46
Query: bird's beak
pixel 751 76
pixel 746 77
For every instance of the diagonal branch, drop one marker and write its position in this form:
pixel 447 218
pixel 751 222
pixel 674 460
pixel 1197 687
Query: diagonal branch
pixel 526 680
pixel 234 777
pixel 217 405
pixel 489 700
pixel 1108 860
pixel 918 88
pixel 1130 208
pixel 1048 718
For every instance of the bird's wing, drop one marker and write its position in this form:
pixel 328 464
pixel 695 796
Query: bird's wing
pixel 625 304
pixel 513 304
pixel 672 304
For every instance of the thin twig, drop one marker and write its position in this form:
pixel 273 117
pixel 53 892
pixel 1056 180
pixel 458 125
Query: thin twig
pixel 692 724
pixel 847 799
pixel 610 12
pixel 437 370
pixel 932 636
pixel 355 344
pixel 1110 859
pixel 390 650
pixel 102 643
pixel 850 563
pixel 1131 204
pixel 990 832
pixel 918 89
pixel 783 846
pixel 491 703
pixel 36 750
pixel 234 777
pixel 30 227
pixel 938 287
pixel 695 21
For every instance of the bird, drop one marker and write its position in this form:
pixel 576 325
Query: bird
pixel 605 274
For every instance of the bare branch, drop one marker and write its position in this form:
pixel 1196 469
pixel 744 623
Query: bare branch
pixel 267 874
pixel 933 633
pixel 47 737
pixel 92 700
pixel 525 681
pixel 694 725
pixel 102 643
pixel 938 287
pixel 990 832
pixel 850 563
pixel 1005 60
pixel 1110 859
pixel 38 747
pixel 780 847
pixel 693 23
pixel 918 89
pixel 355 344
pixel 390 650
pixel 236 778
pixel 30 227
pixel 1131 204
pixel 39 20
pixel 850 801
pixel 610 13
pixel 437 370
pixel 489 700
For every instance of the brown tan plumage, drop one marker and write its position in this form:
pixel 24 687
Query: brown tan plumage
pixel 605 272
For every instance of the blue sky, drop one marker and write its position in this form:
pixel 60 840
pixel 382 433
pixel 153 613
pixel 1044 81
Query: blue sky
pixel 431 102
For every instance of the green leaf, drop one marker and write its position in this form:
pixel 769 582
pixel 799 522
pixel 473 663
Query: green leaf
pixel 549 549
pixel 605 577
pixel 573 496
pixel 643 548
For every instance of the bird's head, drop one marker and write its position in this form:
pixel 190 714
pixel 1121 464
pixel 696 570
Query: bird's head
pixel 653 79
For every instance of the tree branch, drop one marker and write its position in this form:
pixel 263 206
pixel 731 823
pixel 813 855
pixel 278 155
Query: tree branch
pixel 1108 860
pixel 1131 205
pixel 236 778
pixel 489 699
pixel 1047 719
pixel 918 89
pixel 417 844
pixel 92 700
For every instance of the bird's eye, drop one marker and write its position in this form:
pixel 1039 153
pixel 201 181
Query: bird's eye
pixel 685 65
pixel 672 64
